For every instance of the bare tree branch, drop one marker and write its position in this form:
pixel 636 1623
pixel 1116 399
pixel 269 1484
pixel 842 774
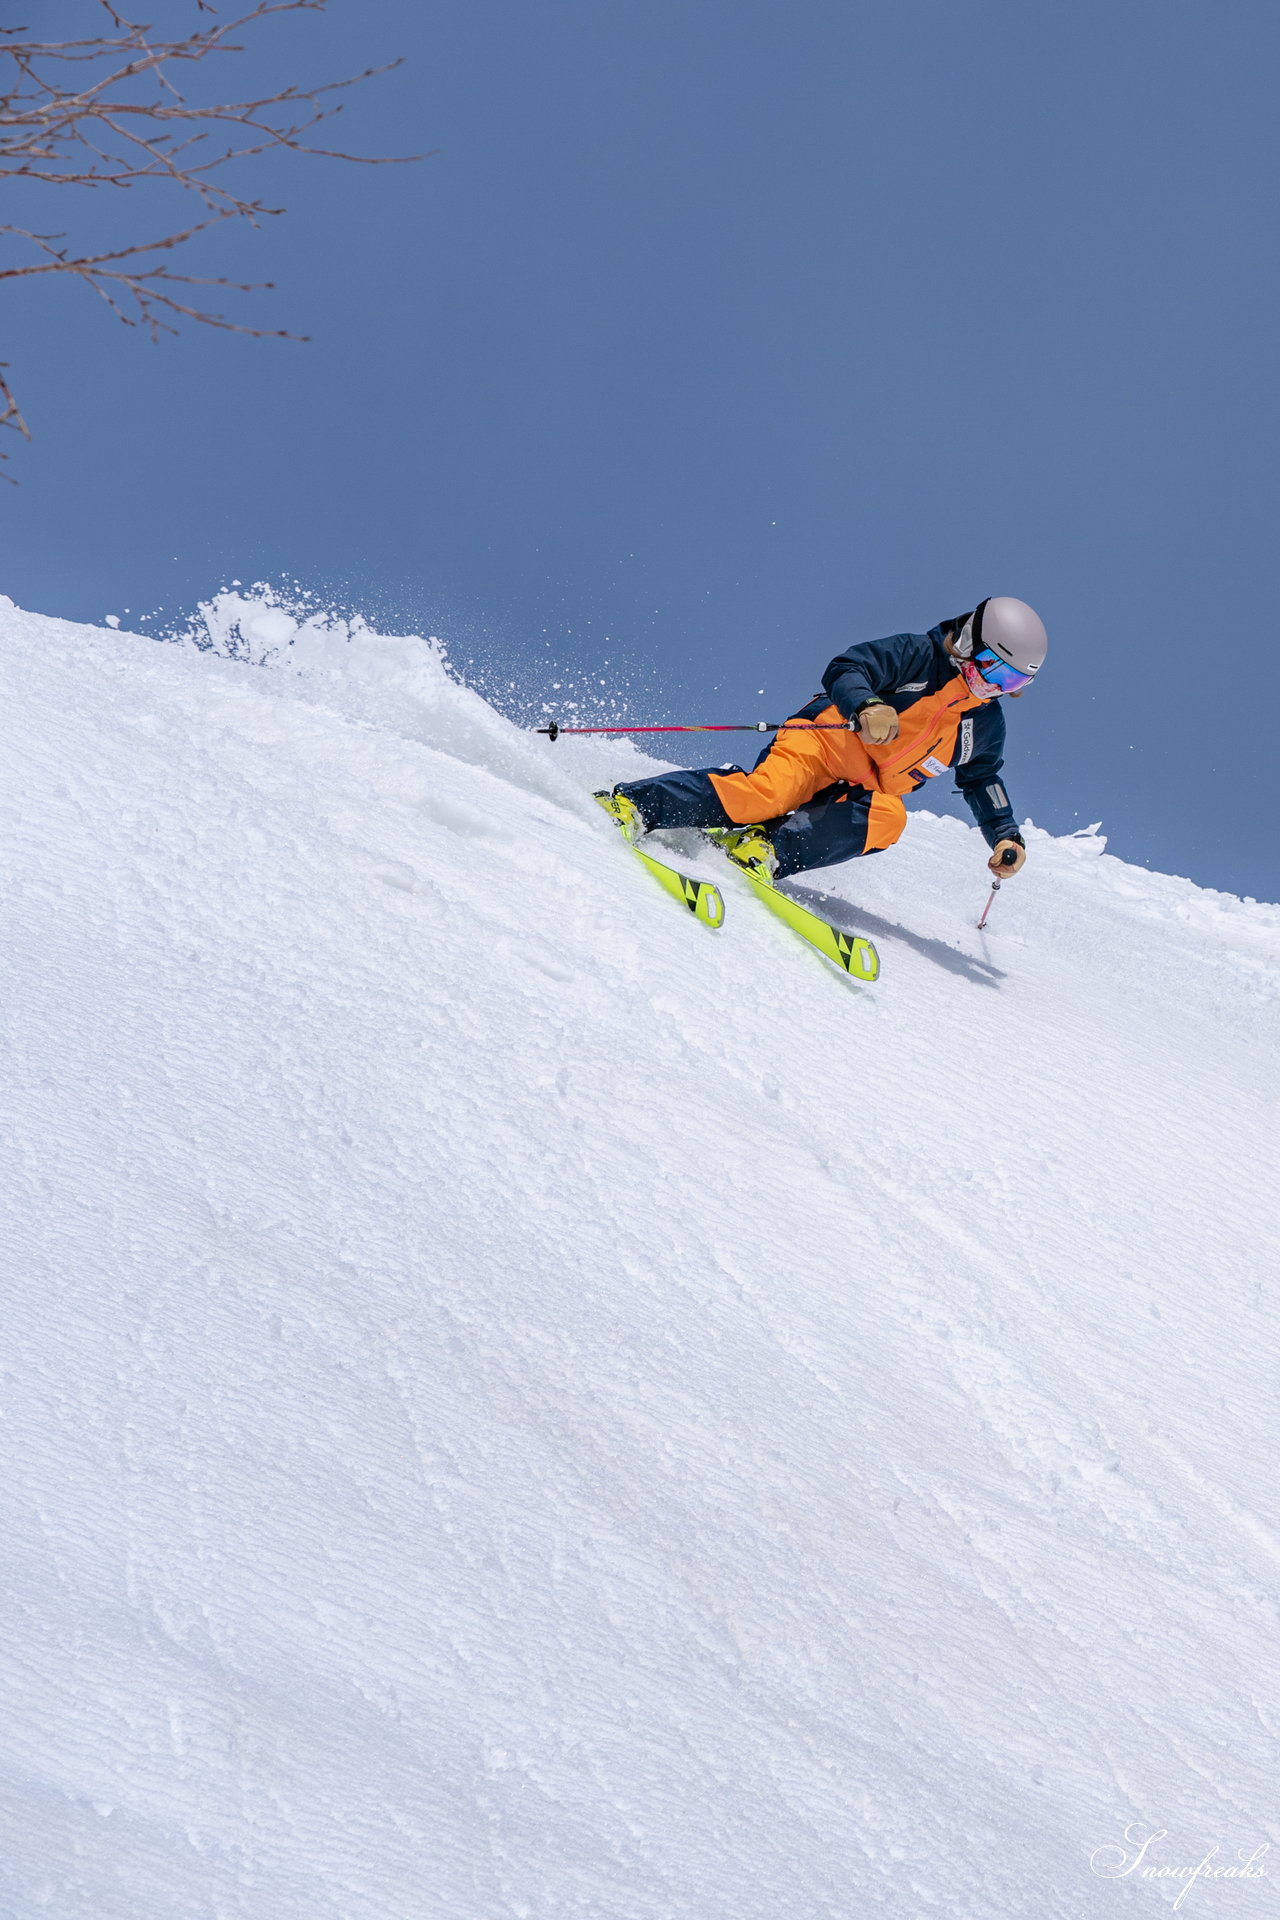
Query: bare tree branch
pixel 108 112
pixel 107 274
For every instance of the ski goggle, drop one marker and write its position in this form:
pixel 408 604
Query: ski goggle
pixel 998 673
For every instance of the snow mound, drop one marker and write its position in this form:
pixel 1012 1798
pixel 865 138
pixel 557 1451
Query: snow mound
pixel 519 1405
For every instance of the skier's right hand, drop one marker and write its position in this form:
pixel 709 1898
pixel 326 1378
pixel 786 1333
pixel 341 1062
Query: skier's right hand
pixel 878 723
pixel 1007 857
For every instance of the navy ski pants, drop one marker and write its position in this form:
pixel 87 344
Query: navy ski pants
pixel 828 828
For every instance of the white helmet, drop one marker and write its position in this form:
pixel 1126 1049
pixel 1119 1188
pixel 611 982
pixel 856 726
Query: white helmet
pixel 1006 641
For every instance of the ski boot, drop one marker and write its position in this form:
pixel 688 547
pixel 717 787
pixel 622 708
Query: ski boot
pixel 625 812
pixel 749 848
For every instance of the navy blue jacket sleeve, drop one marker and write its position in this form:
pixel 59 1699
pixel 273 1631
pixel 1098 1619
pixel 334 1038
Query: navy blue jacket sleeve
pixel 876 669
pixel 979 764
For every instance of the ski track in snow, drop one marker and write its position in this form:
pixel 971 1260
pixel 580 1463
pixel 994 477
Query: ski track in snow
pixel 516 1405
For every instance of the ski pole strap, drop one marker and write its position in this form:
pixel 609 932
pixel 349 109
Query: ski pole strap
pixel 554 731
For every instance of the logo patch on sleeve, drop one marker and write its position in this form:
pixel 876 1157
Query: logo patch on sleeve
pixel 913 686
pixel 966 740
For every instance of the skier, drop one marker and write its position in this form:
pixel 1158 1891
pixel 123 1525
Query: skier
pixel 894 715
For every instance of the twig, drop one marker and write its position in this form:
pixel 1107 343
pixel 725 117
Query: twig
pixel 107 112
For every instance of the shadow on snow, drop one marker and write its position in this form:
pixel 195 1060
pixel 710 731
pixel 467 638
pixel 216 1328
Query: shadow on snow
pixel 850 919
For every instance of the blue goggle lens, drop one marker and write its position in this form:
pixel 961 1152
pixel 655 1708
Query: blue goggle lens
pixel 999 672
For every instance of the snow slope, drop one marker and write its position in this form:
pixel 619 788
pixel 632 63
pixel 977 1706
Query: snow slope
pixel 517 1405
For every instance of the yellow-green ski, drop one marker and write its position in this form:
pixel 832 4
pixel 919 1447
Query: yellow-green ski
pixel 850 951
pixel 703 900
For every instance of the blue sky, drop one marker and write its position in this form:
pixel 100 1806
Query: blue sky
pixel 717 334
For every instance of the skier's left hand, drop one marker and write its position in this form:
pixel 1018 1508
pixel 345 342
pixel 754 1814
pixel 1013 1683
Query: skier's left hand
pixel 997 861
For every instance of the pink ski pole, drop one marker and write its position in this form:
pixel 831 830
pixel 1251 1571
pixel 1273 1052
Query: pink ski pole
pixel 1007 859
pixel 554 731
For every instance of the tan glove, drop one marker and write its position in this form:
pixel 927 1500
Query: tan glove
pixel 878 723
pixel 997 860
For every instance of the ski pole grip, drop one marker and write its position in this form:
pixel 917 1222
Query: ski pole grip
pixel 1009 856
